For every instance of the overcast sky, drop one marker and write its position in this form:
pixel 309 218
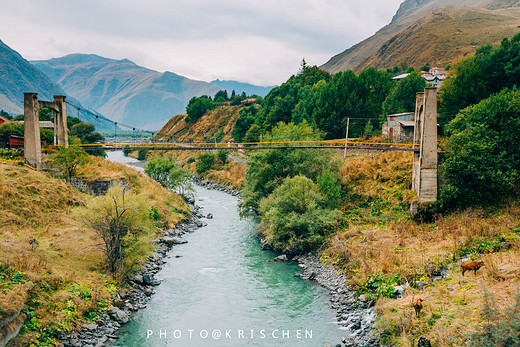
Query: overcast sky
pixel 260 42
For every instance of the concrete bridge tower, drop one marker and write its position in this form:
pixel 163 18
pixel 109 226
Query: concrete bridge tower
pixel 424 175
pixel 32 140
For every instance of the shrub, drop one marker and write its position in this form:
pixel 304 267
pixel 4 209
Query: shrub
pixel 482 157
pixel 295 216
pixel 267 169
pixel 158 169
pixel 122 221
pixel 222 155
pixel 204 162
pixel 500 327
pixel 141 154
pixel 69 158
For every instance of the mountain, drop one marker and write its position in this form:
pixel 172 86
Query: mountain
pixel 409 13
pixel 17 75
pixel 444 36
pixel 123 91
pixel 240 87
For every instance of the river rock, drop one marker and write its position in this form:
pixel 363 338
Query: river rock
pixel 118 315
pixel 279 258
pixel 90 327
pixel 178 241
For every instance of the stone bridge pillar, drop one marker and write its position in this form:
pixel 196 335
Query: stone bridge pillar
pixel 32 147
pixel 424 175
pixel 60 121
pixel 32 140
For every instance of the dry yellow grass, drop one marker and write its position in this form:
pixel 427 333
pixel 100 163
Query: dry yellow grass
pixel 63 275
pixel 203 129
pixel 381 239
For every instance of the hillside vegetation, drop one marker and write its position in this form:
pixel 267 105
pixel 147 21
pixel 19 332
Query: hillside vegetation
pixel 51 263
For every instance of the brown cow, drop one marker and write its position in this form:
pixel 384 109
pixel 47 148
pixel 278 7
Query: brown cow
pixel 417 305
pixel 474 265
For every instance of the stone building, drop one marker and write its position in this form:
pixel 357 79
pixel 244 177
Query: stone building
pixel 399 127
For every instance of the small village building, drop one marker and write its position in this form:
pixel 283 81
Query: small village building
pixel 399 127
pixel 4 120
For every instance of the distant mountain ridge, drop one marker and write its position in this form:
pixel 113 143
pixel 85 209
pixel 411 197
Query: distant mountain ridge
pixel 409 12
pixel 17 76
pixel 240 87
pixel 122 90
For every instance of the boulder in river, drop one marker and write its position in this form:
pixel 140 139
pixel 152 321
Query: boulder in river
pixel 118 315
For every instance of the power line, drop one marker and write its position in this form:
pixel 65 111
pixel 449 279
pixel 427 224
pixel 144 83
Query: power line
pixel 97 116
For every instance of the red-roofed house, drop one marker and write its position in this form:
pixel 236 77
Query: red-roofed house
pixel 4 120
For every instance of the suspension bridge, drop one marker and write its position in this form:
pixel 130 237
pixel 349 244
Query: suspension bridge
pixel 424 146
pixel 171 146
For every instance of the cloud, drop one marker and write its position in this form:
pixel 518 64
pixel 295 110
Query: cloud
pixel 254 41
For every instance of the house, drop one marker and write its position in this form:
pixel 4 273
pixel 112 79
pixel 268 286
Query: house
pixel 4 120
pixel 434 77
pixel 399 127
pixel 249 101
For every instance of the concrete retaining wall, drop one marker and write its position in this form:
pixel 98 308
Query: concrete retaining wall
pixel 97 187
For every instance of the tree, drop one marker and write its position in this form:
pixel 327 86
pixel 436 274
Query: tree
pixel 204 162
pixel 221 96
pixel 197 107
pixel 482 156
pixel 253 134
pixel 244 121
pixel 158 169
pixel 69 158
pixel 169 175
pixel 403 97
pixel 87 135
pixel 267 169
pixel 121 219
pixel 477 77
pixel 295 216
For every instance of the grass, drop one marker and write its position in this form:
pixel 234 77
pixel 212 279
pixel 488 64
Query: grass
pixel 382 247
pixel 61 279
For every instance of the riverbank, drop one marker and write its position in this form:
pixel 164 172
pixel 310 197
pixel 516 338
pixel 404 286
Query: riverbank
pixel 355 314
pixel 139 289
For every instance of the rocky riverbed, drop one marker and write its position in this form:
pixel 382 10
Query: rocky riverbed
pixel 140 289
pixel 355 315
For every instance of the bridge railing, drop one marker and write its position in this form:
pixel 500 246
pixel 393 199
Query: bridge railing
pixel 325 144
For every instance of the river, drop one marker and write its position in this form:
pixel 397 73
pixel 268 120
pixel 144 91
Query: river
pixel 223 291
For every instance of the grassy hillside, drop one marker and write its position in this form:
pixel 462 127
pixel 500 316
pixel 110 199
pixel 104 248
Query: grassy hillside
pixel 61 280
pixel 203 130
pixel 444 36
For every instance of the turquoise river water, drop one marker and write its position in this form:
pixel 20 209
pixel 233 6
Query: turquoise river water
pixel 223 291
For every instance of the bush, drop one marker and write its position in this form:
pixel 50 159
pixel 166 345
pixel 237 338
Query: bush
pixel 141 154
pixel 222 155
pixel 204 162
pixel 169 175
pixel 482 153
pixel 267 169
pixel 158 169
pixel 69 158
pixel 122 221
pixel 295 216
pixel 500 327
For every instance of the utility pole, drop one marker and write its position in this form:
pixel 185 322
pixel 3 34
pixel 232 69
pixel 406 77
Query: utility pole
pixel 346 138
